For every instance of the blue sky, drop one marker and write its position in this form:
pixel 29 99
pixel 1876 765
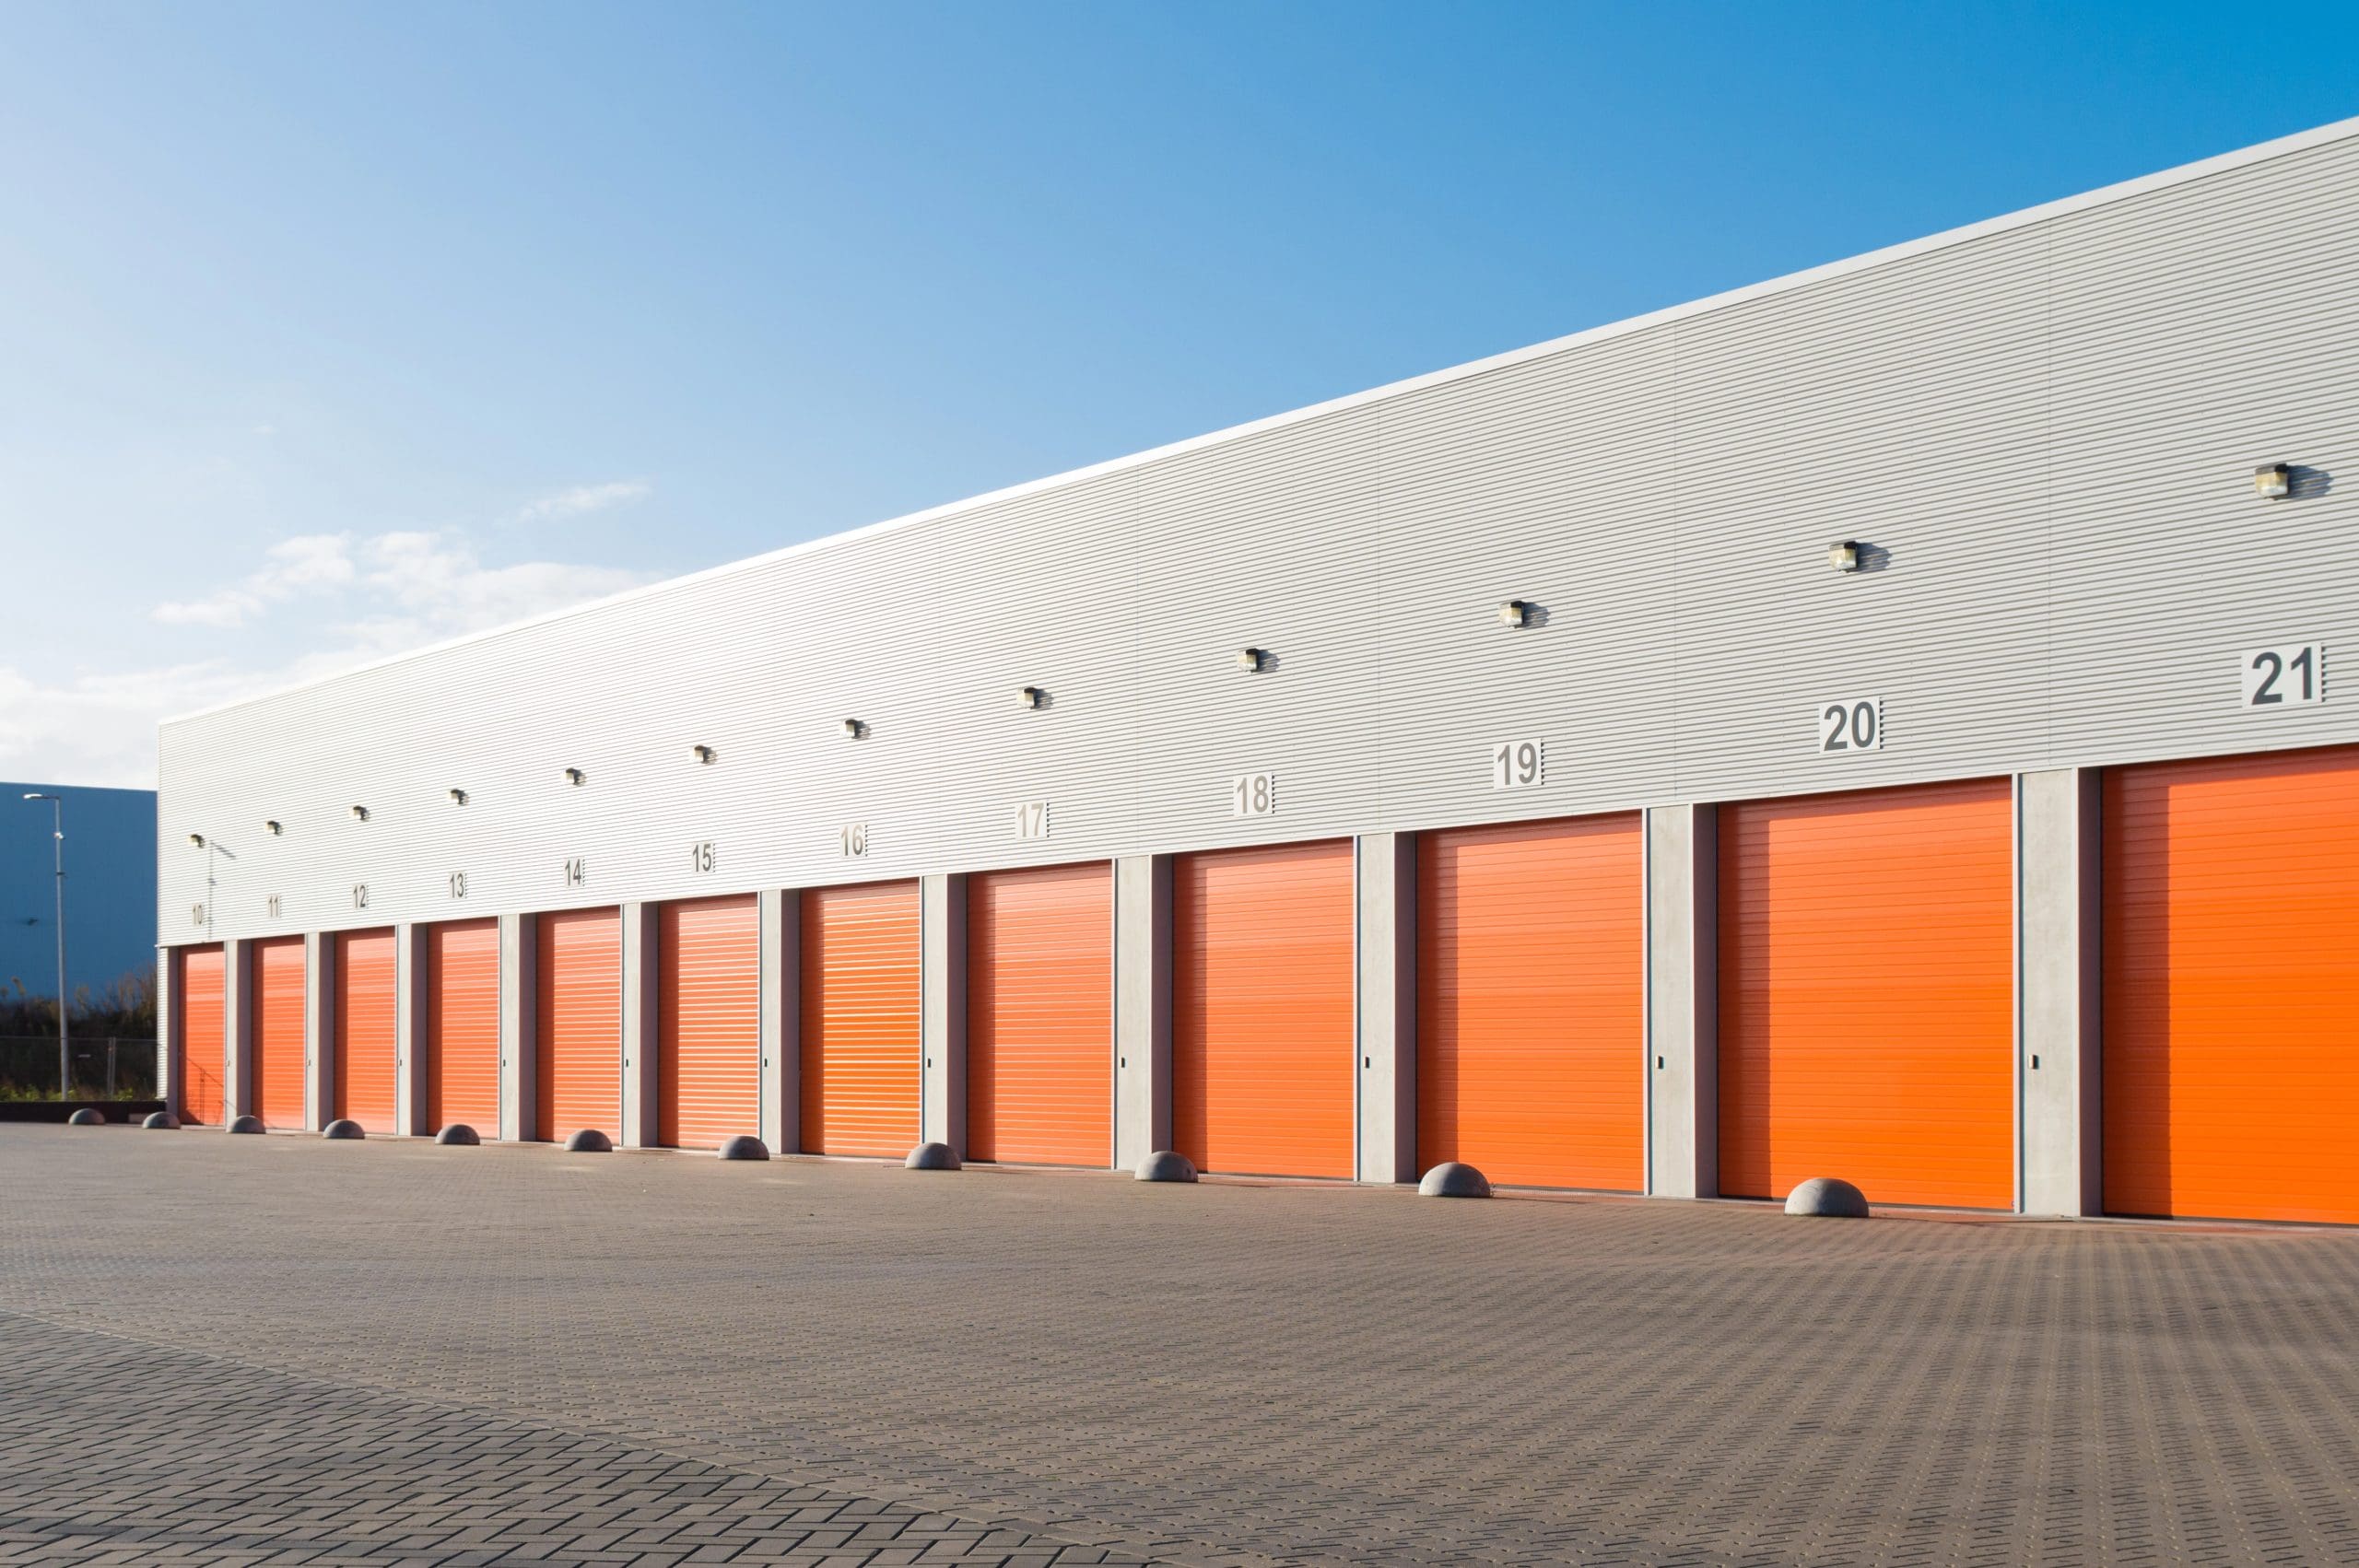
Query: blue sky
pixel 327 330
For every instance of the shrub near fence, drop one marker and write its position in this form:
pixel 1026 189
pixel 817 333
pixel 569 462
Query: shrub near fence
pixel 106 1067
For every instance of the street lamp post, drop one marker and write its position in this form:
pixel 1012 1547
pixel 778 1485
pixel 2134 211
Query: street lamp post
pixel 57 844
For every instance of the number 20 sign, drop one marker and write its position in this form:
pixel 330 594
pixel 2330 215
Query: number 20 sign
pixel 1853 725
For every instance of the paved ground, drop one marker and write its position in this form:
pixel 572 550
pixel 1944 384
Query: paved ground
pixel 217 1350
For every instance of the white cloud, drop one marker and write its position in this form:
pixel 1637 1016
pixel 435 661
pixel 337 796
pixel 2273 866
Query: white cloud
pixel 583 498
pixel 100 729
pixel 307 564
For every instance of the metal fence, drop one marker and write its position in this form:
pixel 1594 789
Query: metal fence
pixel 102 1068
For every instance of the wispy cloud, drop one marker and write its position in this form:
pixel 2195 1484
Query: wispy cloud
pixel 307 564
pixel 582 499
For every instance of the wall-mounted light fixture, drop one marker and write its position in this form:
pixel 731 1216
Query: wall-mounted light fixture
pixel 2273 481
pixel 198 839
pixel 458 797
pixel 1514 612
pixel 1031 696
pixel 705 755
pixel 576 777
pixel 272 828
pixel 855 729
pixel 1844 554
pixel 1252 659
pixel 360 814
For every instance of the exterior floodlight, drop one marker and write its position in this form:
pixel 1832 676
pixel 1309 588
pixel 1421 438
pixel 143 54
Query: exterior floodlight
pixel 705 754
pixel 1252 659
pixel 360 814
pixel 1515 612
pixel 2272 481
pixel 575 776
pixel 272 828
pixel 198 839
pixel 1031 696
pixel 855 729
pixel 1844 554
pixel 458 797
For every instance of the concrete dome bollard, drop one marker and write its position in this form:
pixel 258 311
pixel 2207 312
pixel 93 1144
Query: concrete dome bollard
pixel 458 1135
pixel 1166 1164
pixel 744 1146
pixel 248 1124
pixel 164 1121
pixel 588 1140
pixel 344 1128
pixel 932 1157
pixel 1829 1196
pixel 1453 1179
pixel 88 1116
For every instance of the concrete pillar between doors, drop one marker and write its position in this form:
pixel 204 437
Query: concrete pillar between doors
pixel 782 1017
pixel 171 1032
pixel 2058 865
pixel 1385 883
pixel 237 1037
pixel 1142 1008
pixel 318 1029
pixel 1683 1002
pixel 518 986
pixel 941 1112
pixel 409 1030
pixel 636 1125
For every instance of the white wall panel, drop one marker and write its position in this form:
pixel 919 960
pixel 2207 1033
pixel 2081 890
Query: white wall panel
pixel 2044 428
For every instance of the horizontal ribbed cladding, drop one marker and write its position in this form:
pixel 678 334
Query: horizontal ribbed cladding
pixel 1036 593
pixel 1264 543
pixel 2202 330
pixel 1902 407
pixel 1548 481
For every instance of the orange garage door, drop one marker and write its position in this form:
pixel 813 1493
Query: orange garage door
pixel 708 1021
pixel 364 1028
pixel 860 1019
pixel 2232 987
pixel 462 1026
pixel 1867 986
pixel 580 1024
pixel 1261 1010
pixel 1531 1012
pixel 201 993
pixel 1040 1015
pixel 279 998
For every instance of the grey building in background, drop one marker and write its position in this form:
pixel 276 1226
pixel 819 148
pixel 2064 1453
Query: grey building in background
pixel 110 888
pixel 2009 518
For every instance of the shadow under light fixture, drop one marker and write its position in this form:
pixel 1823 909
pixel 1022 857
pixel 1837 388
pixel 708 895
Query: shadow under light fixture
pixel 1031 696
pixel 1515 612
pixel 1252 659
pixel 705 755
pixel 1844 554
pixel 2273 481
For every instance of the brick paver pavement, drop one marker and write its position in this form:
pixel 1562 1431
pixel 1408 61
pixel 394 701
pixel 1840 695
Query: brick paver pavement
pixel 354 1351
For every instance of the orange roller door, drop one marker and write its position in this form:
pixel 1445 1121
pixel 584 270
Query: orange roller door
pixel 708 1021
pixel 1040 1015
pixel 1530 1008
pixel 1867 994
pixel 580 1024
pixel 279 1000
pixel 462 1026
pixel 2232 987
pixel 364 1028
pixel 201 994
pixel 860 1019
pixel 1261 1010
